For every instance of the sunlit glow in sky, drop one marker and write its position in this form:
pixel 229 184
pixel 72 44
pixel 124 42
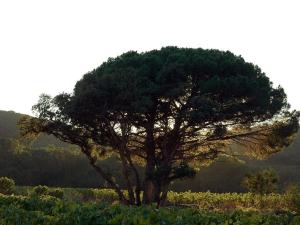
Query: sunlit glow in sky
pixel 46 46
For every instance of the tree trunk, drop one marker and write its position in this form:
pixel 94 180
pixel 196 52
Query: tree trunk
pixel 155 188
pixel 113 185
pixel 163 195
pixel 126 175
pixel 106 177
pixel 155 192
pixel 150 192
pixel 150 184
pixel 138 187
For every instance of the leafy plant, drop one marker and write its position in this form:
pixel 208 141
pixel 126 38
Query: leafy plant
pixel 293 195
pixel 87 194
pixel 57 192
pixel 7 185
pixel 41 190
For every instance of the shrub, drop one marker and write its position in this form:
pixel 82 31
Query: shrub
pixel 106 195
pixel 57 192
pixel 292 193
pixel 41 190
pixel 7 185
pixel 261 182
pixel 87 194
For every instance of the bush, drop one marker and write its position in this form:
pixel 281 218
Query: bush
pixel 261 182
pixel 87 194
pixel 57 193
pixel 41 190
pixel 7 185
pixel 292 192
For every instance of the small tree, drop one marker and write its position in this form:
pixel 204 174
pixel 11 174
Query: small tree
pixel 261 182
pixel 7 185
pixel 170 111
pixel 40 190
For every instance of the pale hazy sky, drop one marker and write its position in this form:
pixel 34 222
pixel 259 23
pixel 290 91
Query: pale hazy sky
pixel 46 46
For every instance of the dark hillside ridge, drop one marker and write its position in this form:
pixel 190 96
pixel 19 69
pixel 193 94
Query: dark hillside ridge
pixel 9 130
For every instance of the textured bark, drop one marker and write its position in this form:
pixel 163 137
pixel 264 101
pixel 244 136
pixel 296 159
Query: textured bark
pixel 150 186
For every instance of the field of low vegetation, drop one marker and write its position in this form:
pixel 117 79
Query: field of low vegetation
pixel 50 210
pixel 43 205
pixel 218 202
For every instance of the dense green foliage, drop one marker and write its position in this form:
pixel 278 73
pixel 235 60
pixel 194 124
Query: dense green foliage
pixel 51 211
pixel 7 185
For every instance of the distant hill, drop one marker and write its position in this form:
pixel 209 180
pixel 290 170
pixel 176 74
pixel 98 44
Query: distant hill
pixel 8 124
pixel 9 130
pixel 223 175
pixel 48 161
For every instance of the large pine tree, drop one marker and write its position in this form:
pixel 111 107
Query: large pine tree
pixel 167 110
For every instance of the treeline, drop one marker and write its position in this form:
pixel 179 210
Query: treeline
pixel 52 166
pixel 67 167
pixel 47 161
